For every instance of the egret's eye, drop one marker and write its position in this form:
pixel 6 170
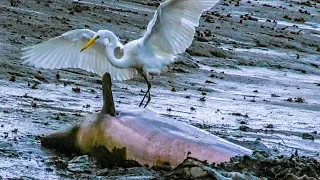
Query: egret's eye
pixel 98 37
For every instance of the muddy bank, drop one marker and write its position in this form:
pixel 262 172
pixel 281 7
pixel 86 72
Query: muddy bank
pixel 251 76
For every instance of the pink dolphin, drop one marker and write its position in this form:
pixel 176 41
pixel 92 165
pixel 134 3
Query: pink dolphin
pixel 145 136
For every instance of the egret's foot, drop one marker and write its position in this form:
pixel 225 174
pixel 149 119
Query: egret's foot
pixel 147 93
pixel 149 99
pixel 141 103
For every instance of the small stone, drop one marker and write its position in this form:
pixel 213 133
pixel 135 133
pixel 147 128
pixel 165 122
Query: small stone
pixel 40 77
pixel 269 126
pixel 33 104
pixel 290 100
pixel 77 114
pixel 57 117
pixel 48 169
pixel 243 122
pixel 79 164
pixel 198 172
pixel 301 19
pixel 287 17
pixel 244 128
pixel 35 85
pixel 14 3
pixel 103 172
pixel 12 78
pixel 210 82
pixel 57 75
pixel 299 100
pixel 239 114
pixel 307 136
pixel 77 90
pixel 179 70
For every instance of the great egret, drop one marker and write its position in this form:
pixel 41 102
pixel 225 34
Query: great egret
pixel 170 32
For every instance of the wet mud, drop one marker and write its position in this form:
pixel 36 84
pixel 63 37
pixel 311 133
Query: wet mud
pixel 251 76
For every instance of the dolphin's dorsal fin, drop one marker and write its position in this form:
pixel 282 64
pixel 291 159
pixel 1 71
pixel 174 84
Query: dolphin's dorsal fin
pixel 108 103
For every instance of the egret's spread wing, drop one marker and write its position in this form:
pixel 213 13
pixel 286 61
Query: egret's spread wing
pixel 172 29
pixel 64 52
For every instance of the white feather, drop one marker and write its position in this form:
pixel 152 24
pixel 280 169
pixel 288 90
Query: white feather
pixel 172 29
pixel 64 52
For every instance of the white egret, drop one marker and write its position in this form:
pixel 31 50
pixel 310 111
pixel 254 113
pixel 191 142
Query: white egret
pixel 170 32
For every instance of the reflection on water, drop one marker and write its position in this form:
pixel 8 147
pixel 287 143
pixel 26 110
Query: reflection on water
pixel 22 10
pixel 306 25
pixel 231 97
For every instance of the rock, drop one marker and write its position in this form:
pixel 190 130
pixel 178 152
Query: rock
pixel 245 128
pixel 269 126
pixel 40 77
pixel 307 136
pixel 274 95
pixel 79 164
pixel 33 104
pixel 35 85
pixel 76 89
pixel 12 78
pixel 198 172
pixel 301 19
pixel 14 3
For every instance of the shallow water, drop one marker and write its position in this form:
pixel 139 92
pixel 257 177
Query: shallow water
pixel 227 97
pixel 237 95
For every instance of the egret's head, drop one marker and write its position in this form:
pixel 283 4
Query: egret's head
pixel 90 42
pixel 102 34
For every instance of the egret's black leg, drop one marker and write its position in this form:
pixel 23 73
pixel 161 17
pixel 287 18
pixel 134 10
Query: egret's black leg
pixel 147 93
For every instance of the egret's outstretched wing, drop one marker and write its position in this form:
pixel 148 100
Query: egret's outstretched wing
pixel 64 52
pixel 172 29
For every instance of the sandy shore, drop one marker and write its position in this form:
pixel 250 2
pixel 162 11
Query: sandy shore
pixel 252 76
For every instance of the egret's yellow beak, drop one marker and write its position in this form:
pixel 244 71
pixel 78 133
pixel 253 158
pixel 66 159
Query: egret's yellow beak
pixel 91 41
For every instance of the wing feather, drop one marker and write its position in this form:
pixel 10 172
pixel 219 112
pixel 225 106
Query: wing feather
pixel 64 52
pixel 172 28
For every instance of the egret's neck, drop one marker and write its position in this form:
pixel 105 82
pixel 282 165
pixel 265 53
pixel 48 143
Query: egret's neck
pixel 114 51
